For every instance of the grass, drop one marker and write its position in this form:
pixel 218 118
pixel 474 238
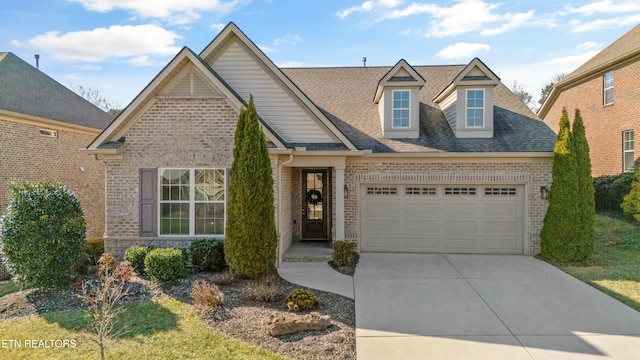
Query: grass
pixel 8 287
pixel 162 329
pixel 614 266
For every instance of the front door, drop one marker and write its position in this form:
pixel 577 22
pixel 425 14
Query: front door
pixel 315 209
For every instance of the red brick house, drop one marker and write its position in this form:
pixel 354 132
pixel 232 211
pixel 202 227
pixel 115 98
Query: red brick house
pixel 606 90
pixel 43 126
pixel 393 158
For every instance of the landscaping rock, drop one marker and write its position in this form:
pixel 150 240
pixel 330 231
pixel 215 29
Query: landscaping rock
pixel 283 324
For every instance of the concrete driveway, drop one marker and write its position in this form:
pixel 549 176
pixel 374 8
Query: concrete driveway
pixel 428 306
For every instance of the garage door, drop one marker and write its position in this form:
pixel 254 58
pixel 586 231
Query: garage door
pixel 442 218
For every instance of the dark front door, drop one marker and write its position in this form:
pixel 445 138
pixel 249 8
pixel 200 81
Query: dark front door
pixel 314 205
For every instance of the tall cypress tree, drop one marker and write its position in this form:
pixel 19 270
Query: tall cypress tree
pixel 251 239
pixel 585 201
pixel 558 230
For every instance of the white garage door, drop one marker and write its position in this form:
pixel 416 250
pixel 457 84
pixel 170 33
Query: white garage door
pixel 442 218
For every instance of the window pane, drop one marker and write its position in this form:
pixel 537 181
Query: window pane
pixel 608 88
pixel 209 185
pixel 608 96
pixel 175 185
pixel 209 219
pixel 400 118
pixel 474 118
pixel 174 219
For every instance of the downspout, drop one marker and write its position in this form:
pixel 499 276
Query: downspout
pixel 279 182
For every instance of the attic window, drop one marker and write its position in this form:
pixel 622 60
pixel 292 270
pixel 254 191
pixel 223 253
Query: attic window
pixel 608 88
pixel 49 133
pixel 475 108
pixel 401 101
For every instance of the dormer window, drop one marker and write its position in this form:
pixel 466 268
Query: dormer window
pixel 475 108
pixel 401 108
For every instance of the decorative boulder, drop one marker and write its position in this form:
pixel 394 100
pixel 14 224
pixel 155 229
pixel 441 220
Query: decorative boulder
pixel 283 324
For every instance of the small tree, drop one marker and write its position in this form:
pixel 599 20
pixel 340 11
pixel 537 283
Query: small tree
pixel 585 202
pixel 558 230
pixel 43 233
pixel 251 239
pixel 631 203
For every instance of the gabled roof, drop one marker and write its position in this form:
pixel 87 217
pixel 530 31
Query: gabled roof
pixel 624 48
pixel 232 33
pixel 401 74
pixel 108 142
pixel 516 128
pixel 475 73
pixel 25 90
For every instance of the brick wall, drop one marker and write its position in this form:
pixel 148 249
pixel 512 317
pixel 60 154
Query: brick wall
pixel 604 124
pixel 174 132
pixel 26 155
pixel 531 173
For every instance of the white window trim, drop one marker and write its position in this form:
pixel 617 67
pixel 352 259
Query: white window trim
pixel 394 108
pixel 626 168
pixel 192 202
pixel 466 107
pixel 605 88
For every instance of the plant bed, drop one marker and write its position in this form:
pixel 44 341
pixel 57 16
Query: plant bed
pixel 347 269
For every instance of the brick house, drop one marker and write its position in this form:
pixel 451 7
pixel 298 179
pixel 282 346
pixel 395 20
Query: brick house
pixel 399 158
pixel 43 127
pixel 605 89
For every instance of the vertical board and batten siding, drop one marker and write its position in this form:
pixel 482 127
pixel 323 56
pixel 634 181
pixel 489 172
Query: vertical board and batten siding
pixel 192 85
pixel 274 104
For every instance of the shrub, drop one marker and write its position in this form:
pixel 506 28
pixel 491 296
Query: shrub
pixel 264 289
pixel 300 299
pixel 225 277
pixel 43 233
pixel 585 232
pixel 631 202
pixel 251 239
pixel 342 253
pixel 165 264
pixel 610 190
pixel 208 255
pixel 135 255
pixel 94 248
pixel 205 294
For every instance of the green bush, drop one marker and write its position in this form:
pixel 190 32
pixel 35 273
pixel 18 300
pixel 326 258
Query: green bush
pixel 208 255
pixel 94 248
pixel 165 264
pixel 43 233
pixel 610 190
pixel 300 299
pixel 342 253
pixel 631 202
pixel 136 255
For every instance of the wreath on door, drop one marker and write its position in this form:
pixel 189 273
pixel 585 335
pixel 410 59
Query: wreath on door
pixel 314 196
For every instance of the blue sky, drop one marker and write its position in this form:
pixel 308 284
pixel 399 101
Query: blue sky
pixel 117 46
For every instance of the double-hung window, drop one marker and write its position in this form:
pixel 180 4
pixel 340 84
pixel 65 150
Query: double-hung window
pixel 475 108
pixel 627 150
pixel 608 88
pixel 192 201
pixel 401 103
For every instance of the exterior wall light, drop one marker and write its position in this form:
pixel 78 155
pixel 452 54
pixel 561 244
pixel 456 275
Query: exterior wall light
pixel 544 192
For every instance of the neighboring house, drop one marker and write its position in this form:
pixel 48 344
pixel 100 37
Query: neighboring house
pixel 605 89
pixel 43 127
pixel 401 158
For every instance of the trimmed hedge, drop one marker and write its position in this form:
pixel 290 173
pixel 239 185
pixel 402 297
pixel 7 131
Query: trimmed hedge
pixel 208 255
pixel 136 255
pixel 165 264
pixel 611 190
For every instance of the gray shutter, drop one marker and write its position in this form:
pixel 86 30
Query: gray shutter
pixel 148 202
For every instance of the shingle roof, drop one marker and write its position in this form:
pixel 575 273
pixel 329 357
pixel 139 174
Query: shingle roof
pixel 345 96
pixel 626 45
pixel 26 90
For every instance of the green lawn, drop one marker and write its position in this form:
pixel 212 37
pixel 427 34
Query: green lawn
pixel 615 265
pixel 8 287
pixel 163 329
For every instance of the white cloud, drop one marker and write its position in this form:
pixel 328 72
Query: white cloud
pixel 579 26
pixel 606 6
pixel 102 43
pixel 463 17
pixel 217 27
pixel 267 49
pixel 180 12
pixel 143 60
pixel 288 39
pixel 588 45
pixel 369 5
pixel 462 50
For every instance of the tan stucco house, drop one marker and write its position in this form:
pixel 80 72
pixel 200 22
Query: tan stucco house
pixel 399 158
pixel 605 89
pixel 43 127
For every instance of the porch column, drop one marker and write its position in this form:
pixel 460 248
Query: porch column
pixel 339 202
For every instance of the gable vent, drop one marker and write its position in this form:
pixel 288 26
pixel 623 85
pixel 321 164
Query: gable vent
pixel 49 133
